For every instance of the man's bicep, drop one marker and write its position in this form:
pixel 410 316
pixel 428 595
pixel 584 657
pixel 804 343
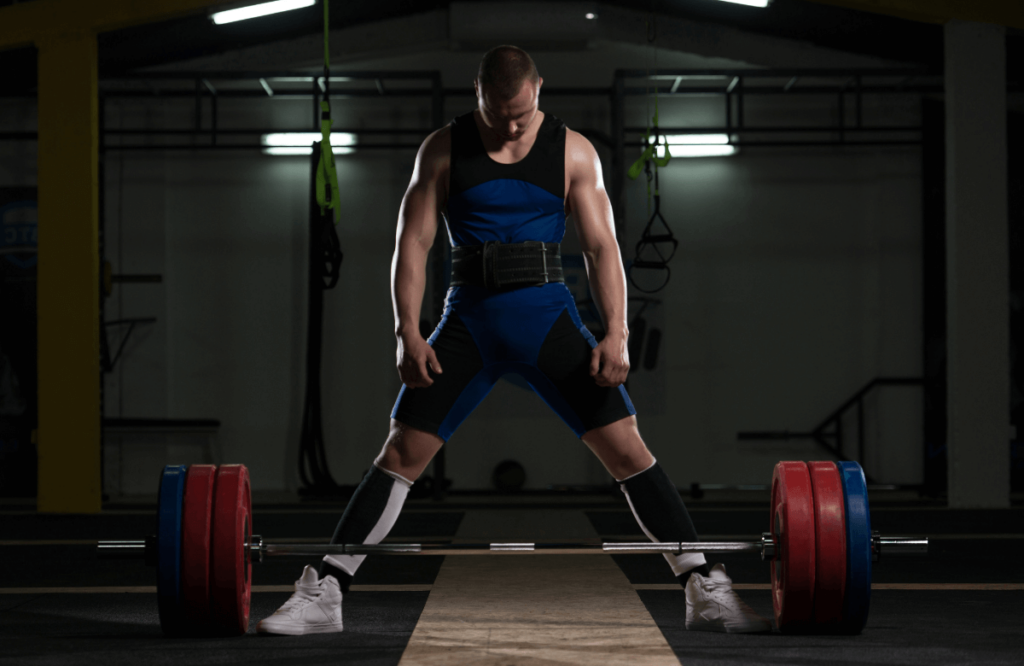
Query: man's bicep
pixel 424 197
pixel 418 218
pixel 591 208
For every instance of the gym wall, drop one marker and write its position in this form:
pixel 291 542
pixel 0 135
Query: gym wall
pixel 797 281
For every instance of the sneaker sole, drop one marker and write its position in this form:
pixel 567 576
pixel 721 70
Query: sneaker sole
pixel 299 631
pixel 694 626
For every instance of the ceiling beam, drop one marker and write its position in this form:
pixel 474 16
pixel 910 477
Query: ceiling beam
pixel 25 23
pixel 1009 13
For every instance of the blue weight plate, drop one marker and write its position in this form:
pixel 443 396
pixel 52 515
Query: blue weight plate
pixel 858 548
pixel 168 560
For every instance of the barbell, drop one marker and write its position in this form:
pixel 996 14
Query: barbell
pixel 820 545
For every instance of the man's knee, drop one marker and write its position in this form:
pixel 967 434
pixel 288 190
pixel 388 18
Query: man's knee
pixel 407 451
pixel 620 448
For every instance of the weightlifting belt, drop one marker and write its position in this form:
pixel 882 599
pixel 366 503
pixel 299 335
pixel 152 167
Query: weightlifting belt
pixel 497 265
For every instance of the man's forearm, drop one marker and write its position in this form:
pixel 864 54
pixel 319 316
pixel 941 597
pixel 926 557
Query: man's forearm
pixel 608 287
pixel 408 282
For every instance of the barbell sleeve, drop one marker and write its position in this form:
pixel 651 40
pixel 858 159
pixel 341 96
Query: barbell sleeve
pixel 898 545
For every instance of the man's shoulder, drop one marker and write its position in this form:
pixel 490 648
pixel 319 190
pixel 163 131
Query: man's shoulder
pixel 576 140
pixel 440 138
pixel 436 148
pixel 580 154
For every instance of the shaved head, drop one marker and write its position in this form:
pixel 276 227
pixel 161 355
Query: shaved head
pixel 504 69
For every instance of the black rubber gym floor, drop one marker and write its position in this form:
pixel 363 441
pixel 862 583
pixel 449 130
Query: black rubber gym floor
pixel 919 626
pixel 904 626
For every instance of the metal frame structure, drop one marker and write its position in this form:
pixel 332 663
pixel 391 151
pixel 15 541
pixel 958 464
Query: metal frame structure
pixel 735 86
pixel 831 427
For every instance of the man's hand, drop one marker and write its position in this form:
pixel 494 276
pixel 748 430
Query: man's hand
pixel 609 361
pixel 414 356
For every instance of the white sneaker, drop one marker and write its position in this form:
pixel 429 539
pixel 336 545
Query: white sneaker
pixel 315 608
pixel 712 605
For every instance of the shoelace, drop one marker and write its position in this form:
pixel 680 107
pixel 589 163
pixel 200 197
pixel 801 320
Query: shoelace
pixel 723 593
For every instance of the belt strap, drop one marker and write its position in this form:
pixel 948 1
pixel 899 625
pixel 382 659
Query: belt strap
pixel 497 265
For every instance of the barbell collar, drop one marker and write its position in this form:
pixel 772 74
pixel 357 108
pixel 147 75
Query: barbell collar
pixel 769 546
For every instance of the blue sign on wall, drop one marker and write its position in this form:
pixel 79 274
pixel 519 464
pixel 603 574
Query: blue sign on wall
pixel 19 233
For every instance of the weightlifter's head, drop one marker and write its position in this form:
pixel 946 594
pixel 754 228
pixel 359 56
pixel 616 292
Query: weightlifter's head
pixel 507 91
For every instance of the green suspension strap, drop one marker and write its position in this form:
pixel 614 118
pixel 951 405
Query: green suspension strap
pixel 650 149
pixel 653 250
pixel 650 153
pixel 327 193
pixel 325 257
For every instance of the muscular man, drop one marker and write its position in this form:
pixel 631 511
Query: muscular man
pixel 507 175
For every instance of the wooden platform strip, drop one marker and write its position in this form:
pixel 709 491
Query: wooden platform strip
pixel 544 609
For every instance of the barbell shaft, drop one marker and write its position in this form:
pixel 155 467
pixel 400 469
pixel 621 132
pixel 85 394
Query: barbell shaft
pixel 116 550
pixel 766 547
pixel 272 550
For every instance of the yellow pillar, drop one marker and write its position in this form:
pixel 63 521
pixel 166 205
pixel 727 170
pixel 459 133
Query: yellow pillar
pixel 69 442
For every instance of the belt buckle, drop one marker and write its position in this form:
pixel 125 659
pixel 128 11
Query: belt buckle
pixel 543 247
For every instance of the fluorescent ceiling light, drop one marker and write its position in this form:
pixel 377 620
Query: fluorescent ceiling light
pixel 288 150
pixel 308 150
pixel 698 145
pixel 750 3
pixel 262 9
pixel 694 150
pixel 696 139
pixel 306 139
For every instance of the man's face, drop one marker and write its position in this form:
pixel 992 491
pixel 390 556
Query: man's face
pixel 509 119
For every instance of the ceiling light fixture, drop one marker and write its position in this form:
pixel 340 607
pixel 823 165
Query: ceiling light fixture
pixel 591 16
pixel 698 145
pixel 750 3
pixel 691 150
pixel 262 9
pixel 301 143
pixel 308 150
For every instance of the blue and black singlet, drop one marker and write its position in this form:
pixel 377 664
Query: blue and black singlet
pixel 534 331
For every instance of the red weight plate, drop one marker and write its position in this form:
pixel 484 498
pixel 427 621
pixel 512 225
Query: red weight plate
pixel 792 523
pixel 230 574
pixel 830 543
pixel 197 514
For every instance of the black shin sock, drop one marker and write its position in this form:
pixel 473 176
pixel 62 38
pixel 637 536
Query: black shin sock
pixel 369 516
pixel 662 516
pixel 343 577
pixel 684 577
